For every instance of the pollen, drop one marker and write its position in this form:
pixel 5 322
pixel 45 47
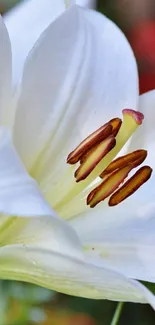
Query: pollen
pixel 107 187
pixel 93 157
pixel 96 158
pixel 132 185
pixel 135 158
pixel 110 128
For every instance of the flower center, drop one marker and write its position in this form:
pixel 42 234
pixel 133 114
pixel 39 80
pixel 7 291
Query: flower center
pixel 94 174
pixel 95 157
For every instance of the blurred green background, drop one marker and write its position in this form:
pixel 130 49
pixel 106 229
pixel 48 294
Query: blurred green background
pixel 25 304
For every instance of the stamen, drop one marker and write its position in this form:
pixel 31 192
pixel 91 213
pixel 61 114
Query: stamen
pixel 132 185
pixel 131 120
pixel 102 133
pixel 94 157
pixel 93 161
pixel 115 174
pixel 110 128
pixel 101 192
pixel 135 158
pixel 116 124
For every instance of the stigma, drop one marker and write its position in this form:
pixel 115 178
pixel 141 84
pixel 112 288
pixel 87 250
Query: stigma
pixel 96 157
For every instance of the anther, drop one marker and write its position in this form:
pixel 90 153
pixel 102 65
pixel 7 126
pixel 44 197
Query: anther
pixel 116 124
pixel 135 159
pixel 93 157
pixel 115 174
pixel 110 128
pixel 106 188
pixel 132 185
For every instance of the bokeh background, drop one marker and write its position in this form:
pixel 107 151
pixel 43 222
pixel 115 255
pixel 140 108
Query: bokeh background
pixel 25 304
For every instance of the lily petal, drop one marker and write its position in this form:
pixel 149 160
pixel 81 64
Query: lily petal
pixel 66 78
pixel 87 3
pixel 49 233
pixel 69 275
pixel 19 193
pixel 122 236
pixel 5 73
pixel 128 248
pixel 34 17
pixel 20 196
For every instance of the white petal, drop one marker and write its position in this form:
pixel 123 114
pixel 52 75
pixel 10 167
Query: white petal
pixel 91 225
pixel 72 85
pixel 19 193
pixel 34 17
pixel 86 3
pixel 123 236
pixel 128 248
pixel 5 73
pixel 69 275
pixel 49 233
pixel 20 196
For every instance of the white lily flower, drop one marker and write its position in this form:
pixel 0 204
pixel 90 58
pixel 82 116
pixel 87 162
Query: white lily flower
pixel 79 74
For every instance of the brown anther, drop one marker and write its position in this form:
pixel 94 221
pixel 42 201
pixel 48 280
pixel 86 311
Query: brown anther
pixel 111 183
pixel 99 135
pixel 110 128
pixel 91 195
pixel 94 157
pixel 132 185
pixel 116 124
pixel 135 159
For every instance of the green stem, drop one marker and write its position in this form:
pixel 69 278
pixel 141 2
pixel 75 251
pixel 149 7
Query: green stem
pixel 117 313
